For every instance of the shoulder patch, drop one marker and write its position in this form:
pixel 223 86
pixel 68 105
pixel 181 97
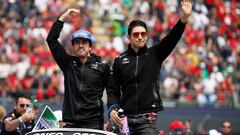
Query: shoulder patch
pixel 94 65
pixel 13 115
pixel 125 60
pixel 97 65
pixel 122 55
pixel 8 119
pixel 101 62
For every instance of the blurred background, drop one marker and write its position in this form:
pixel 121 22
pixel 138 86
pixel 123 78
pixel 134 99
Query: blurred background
pixel 200 80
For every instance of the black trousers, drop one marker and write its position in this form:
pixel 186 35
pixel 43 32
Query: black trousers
pixel 142 126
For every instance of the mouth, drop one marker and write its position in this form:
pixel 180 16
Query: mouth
pixel 141 42
pixel 80 50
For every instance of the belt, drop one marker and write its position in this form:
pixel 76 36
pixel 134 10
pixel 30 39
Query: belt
pixel 150 114
pixel 135 115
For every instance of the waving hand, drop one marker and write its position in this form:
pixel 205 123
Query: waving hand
pixel 186 10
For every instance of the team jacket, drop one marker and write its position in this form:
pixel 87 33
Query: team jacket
pixel 21 130
pixel 84 83
pixel 134 81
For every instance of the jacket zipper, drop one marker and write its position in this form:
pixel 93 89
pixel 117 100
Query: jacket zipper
pixel 156 97
pixel 81 78
pixel 99 105
pixel 136 84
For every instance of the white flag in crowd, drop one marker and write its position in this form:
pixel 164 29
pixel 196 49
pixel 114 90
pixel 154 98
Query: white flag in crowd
pixel 47 120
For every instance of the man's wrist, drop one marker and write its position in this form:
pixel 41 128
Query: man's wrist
pixel 184 19
pixel 20 119
pixel 115 107
pixel 61 18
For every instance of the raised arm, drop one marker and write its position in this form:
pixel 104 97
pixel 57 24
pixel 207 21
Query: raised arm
pixel 55 47
pixel 167 44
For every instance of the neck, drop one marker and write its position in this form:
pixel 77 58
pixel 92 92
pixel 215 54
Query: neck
pixel 135 49
pixel 83 60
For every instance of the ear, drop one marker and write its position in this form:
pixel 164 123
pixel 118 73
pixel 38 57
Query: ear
pixel 129 38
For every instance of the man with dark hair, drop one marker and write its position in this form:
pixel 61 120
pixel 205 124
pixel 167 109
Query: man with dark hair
pixel 21 120
pixel 134 83
pixel 226 127
pixel 85 77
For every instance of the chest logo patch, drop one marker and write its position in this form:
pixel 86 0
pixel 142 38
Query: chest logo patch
pixel 94 66
pixel 125 61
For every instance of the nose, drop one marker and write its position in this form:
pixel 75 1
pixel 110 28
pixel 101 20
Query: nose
pixel 80 45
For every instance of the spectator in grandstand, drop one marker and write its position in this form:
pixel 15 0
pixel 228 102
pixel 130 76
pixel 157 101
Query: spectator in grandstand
pixel 2 115
pixel 177 128
pixel 134 83
pixel 188 124
pixel 21 120
pixel 226 128
pixel 85 76
pixel 213 132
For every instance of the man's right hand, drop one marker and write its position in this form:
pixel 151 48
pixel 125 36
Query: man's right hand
pixel 114 118
pixel 28 116
pixel 70 11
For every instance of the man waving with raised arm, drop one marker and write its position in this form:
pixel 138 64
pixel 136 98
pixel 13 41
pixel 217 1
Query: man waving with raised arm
pixel 134 78
pixel 85 77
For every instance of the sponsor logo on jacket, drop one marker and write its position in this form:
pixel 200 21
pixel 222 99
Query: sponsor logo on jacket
pixel 125 61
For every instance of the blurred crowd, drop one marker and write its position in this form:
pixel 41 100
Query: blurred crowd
pixel 204 68
pixel 177 127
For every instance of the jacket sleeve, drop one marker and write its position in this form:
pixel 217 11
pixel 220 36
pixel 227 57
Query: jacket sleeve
pixel 113 89
pixel 54 45
pixel 167 44
pixel 106 75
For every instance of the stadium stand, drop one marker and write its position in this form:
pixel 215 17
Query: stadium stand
pixel 203 71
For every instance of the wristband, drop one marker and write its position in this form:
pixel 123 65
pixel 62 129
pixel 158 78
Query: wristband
pixel 113 107
pixel 20 119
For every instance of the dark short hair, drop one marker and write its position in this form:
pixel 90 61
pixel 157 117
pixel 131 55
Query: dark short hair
pixel 23 96
pixel 135 23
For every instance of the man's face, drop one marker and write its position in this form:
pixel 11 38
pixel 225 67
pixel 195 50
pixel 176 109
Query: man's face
pixel 22 105
pixel 81 47
pixel 138 37
pixel 226 128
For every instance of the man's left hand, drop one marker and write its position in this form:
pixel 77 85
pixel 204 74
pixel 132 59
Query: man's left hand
pixel 186 10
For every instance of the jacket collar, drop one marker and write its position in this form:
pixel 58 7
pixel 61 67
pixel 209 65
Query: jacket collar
pixel 16 114
pixel 92 58
pixel 141 50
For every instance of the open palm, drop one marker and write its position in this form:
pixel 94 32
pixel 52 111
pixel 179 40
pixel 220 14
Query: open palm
pixel 186 7
pixel 70 11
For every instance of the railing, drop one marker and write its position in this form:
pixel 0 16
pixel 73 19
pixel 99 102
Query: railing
pixel 224 100
pixel 70 131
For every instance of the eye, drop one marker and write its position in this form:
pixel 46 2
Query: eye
pixel 24 105
pixel 85 41
pixel 136 34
